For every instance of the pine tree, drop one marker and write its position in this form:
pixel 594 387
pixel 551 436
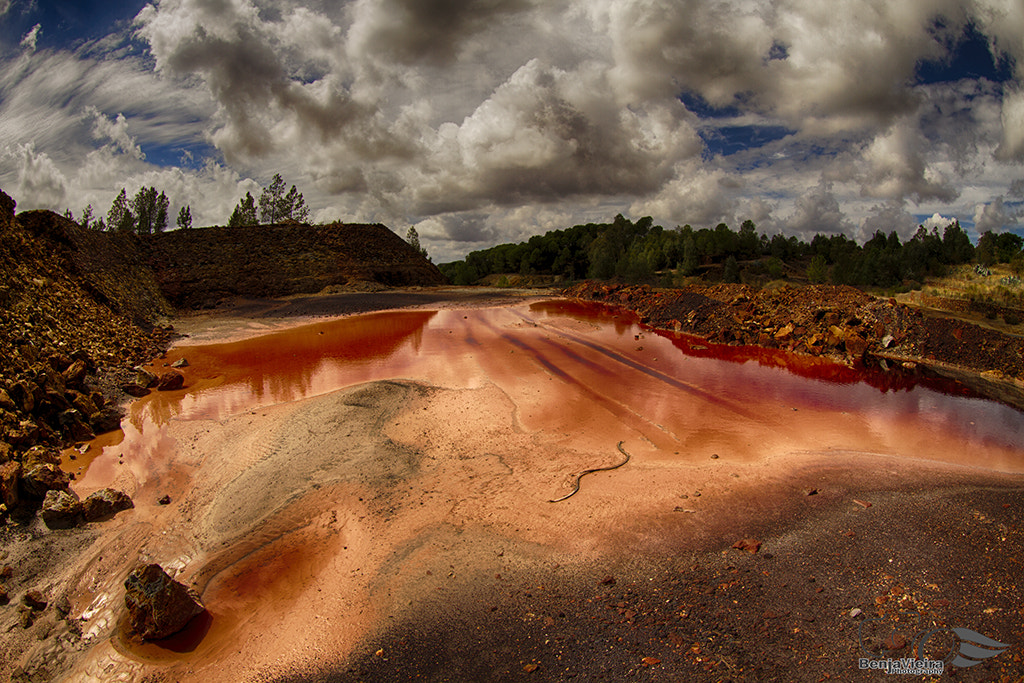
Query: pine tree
pixel 120 217
pixel 163 204
pixel 272 201
pixel 86 221
pixel 244 213
pixel 185 217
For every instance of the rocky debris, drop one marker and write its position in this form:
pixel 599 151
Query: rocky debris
pixel 105 503
pixel 170 381
pixel 158 606
pixel 61 509
pixel 838 322
pixel 180 363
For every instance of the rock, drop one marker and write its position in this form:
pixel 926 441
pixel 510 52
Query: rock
pixel 748 544
pixel 75 374
pixel 10 475
pixel 5 597
pixel 180 363
pixel 145 378
pixel 74 426
pixel 5 401
pixel 104 503
pixel 38 455
pixel 856 346
pixel 39 479
pixel 158 606
pixel 61 509
pixel 171 381
pixel 33 599
pixel 164 500
pixel 106 420
pixel 135 390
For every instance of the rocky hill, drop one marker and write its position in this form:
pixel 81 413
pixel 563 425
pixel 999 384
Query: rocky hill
pixel 196 268
pixel 79 309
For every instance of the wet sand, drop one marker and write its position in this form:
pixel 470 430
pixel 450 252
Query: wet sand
pixel 341 489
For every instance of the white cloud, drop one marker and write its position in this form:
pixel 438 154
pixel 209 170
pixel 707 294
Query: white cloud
pixel 29 41
pixel 40 183
pixel 995 215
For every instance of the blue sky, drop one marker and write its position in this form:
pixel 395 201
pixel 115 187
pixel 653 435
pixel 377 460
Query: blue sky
pixel 848 116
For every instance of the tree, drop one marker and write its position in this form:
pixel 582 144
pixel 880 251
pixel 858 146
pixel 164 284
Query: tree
pixel 86 221
pixel 413 238
pixel 144 208
pixel 732 270
pixel 293 206
pixel 185 217
pixel 277 206
pixel 817 271
pixel 690 256
pixel 163 205
pixel 120 217
pixel 244 213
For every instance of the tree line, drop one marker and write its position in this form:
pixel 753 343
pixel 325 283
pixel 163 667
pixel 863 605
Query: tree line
pixel 643 252
pixel 147 211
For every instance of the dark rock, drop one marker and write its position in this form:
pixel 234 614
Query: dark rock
pixel 145 378
pixel 39 479
pixel 171 381
pixel 34 600
pixel 164 500
pixel 74 426
pixel 180 363
pixel 136 390
pixel 106 420
pixel 158 606
pixel 82 403
pixel 10 475
pixel 104 503
pixel 61 509
pixel 5 597
pixel 75 374
pixel 6 402
pixel 63 606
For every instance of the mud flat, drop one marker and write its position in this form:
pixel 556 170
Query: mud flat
pixel 368 499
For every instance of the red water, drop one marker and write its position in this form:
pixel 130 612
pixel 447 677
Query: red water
pixel 567 366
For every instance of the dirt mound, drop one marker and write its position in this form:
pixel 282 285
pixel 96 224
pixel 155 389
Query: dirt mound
pixel 826 320
pixel 198 268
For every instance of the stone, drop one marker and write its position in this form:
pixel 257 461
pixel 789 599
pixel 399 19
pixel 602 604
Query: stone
pixel 5 401
pixel 164 500
pixel 135 390
pixel 61 509
pixel 158 606
pixel 171 381
pixel 180 363
pixel 106 420
pixel 10 475
pixel 39 479
pixel 75 374
pixel 145 378
pixel 34 600
pixel 38 455
pixel 104 503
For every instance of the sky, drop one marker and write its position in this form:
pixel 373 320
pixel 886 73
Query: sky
pixel 488 121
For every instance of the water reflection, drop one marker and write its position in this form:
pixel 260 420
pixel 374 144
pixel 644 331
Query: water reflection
pixel 568 367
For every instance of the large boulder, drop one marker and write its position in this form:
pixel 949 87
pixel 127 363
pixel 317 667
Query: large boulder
pixel 158 606
pixel 106 420
pixel 104 503
pixel 39 479
pixel 61 509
